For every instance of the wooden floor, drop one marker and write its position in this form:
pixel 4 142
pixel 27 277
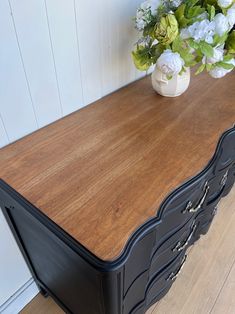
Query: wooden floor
pixel 207 282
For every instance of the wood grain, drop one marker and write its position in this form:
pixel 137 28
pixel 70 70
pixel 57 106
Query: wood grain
pixel 104 170
pixel 208 278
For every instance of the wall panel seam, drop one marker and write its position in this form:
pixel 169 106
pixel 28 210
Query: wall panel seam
pixel 3 125
pixel 23 65
pixel 53 56
pixel 78 51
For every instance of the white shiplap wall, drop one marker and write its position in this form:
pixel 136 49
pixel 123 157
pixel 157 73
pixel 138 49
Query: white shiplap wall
pixel 56 56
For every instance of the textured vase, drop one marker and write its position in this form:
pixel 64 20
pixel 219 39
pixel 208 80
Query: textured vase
pixel 176 86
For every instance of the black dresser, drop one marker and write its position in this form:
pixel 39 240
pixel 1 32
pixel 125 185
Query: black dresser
pixel 105 202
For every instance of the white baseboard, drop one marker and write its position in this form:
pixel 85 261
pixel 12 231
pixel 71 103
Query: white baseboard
pixel 20 299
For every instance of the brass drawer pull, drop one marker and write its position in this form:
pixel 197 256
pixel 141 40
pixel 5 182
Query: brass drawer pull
pixel 180 246
pixel 173 275
pixel 200 204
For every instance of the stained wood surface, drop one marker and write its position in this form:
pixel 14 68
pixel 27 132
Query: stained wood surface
pixel 206 284
pixel 103 171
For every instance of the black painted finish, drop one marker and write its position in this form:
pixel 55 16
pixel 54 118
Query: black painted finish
pixel 83 284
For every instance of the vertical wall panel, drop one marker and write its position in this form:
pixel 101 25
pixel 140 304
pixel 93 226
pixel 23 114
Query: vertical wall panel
pixel 127 38
pixel 89 16
pixel 117 41
pixel 32 30
pixel 62 24
pixel 3 136
pixel 15 103
pixel 110 59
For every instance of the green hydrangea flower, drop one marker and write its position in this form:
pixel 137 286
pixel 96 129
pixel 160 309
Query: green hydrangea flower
pixel 167 29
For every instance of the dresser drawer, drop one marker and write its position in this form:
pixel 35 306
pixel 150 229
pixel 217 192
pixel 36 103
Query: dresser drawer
pixel 162 256
pixel 177 213
pixel 165 279
pixel 195 204
pixel 169 250
pixel 160 283
pixel 184 205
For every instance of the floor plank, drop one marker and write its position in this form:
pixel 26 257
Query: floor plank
pixel 207 282
pixel 41 305
pixel 226 301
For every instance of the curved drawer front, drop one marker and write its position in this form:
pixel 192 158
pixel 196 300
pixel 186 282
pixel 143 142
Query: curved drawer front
pixel 172 247
pixel 158 284
pixel 197 202
pixel 165 253
pixel 175 215
pixel 183 217
pixel 230 180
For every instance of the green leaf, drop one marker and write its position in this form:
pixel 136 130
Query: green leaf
pixel 177 44
pixel 200 69
pixel 206 49
pixel 193 44
pixel 183 70
pixel 181 46
pixel 149 31
pixel 211 11
pixel 227 57
pixel 156 51
pixel 211 2
pixel 142 58
pixel 198 58
pixel 226 66
pixel 230 42
pixel 180 16
pixel 209 67
pixel 218 40
pixel 194 11
pixel 224 11
pixel 191 3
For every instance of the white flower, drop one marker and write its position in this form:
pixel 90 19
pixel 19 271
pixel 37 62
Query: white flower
pixel 184 33
pixel 200 31
pixel 219 72
pixel 221 24
pixel 203 16
pixel 175 3
pixel 144 12
pixel 231 16
pixel 143 15
pixel 218 54
pixel 154 5
pixel 145 5
pixel 144 41
pixel 224 3
pixel 170 63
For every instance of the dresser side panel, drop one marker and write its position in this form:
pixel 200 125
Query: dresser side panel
pixel 56 267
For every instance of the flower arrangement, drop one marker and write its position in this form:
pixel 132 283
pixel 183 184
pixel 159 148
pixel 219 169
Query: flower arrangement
pixel 183 33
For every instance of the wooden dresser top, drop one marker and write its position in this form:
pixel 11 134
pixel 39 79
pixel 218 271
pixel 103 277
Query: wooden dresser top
pixel 104 170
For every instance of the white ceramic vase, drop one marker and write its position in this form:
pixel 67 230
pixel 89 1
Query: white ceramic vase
pixel 176 86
